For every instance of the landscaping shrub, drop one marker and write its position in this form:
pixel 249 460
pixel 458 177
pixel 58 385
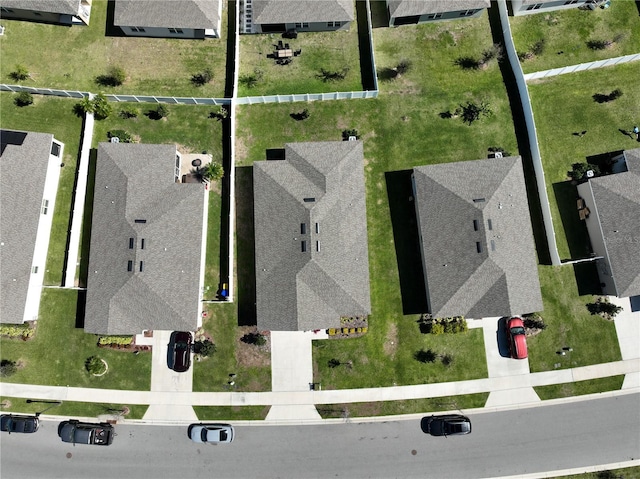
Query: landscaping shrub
pixel 447 359
pixel 119 340
pixel 202 78
pixel 122 135
pixel 221 114
pixel 20 73
pixel 255 338
pixel 128 111
pixel 437 328
pixel 351 132
pixel 472 112
pixel 8 368
pixel 533 321
pixel 604 308
pixel 403 67
pixel 425 356
pixel 212 171
pixel 303 115
pixel 204 348
pixel 598 44
pixel 24 98
pixel 115 77
pixel 94 365
pixel 252 79
pixel 159 113
pixel 579 170
pixel 14 331
pixel 333 363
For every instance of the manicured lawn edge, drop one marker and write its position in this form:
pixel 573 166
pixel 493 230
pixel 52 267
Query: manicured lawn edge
pixel 579 388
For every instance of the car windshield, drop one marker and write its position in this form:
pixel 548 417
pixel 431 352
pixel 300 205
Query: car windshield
pixel 517 330
pixel 181 345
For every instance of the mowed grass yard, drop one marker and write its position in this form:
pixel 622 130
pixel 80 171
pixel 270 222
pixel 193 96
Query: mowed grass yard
pixel 72 57
pixel 564 105
pixel 332 51
pixel 55 116
pixel 56 355
pixel 400 129
pixel 566 33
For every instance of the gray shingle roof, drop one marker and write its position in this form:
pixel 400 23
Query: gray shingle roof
pixel 68 7
pixel 617 199
pixel 404 8
pixel 298 290
pixel 197 14
pixel 24 157
pixel 136 182
pixel 292 11
pixel 501 279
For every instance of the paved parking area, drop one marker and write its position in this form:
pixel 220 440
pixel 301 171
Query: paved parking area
pixel 163 378
pixel 499 363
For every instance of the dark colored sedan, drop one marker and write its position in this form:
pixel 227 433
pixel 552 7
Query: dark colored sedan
pixel 447 425
pixel 517 338
pixel 24 424
pixel 179 357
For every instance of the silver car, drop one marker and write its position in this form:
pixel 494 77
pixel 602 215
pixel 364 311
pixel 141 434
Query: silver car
pixel 211 433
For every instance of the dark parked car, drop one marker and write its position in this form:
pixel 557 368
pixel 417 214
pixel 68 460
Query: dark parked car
pixel 517 338
pixel 86 433
pixel 447 425
pixel 12 423
pixel 211 433
pixel 179 355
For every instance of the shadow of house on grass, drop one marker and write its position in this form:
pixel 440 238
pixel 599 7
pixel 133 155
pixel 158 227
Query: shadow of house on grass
pixel 246 256
pixel 407 243
pixel 575 229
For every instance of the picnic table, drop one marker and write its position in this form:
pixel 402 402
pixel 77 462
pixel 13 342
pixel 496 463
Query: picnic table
pixel 284 53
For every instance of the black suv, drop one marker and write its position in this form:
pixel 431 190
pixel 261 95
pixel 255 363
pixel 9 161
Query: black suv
pixel 86 433
pixel 12 423
pixel 447 425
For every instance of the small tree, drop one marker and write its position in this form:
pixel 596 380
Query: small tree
pixel 101 107
pixel 254 338
pixel 20 73
pixel 24 98
pixel 95 365
pixel 202 78
pixel 333 363
pixel 115 77
pixel 122 135
pixel 128 111
pixel 403 66
pixel 160 112
pixel 212 171
pixel 8 368
pixel 473 111
pixel 251 80
pixel 425 356
pixel 204 348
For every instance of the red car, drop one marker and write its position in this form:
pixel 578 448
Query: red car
pixel 516 337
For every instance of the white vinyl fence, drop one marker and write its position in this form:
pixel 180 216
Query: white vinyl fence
pixel 582 67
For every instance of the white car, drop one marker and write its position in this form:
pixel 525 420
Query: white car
pixel 211 433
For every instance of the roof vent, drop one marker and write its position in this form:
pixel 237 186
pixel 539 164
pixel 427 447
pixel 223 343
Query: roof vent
pixel 479 200
pixel 309 200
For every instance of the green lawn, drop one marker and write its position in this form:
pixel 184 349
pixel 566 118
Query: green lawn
pixel 56 355
pixel 72 58
pixel 332 51
pixel 51 115
pixel 579 388
pixel 566 33
pixel 569 324
pixel 624 473
pixel 409 406
pixel 73 408
pixel 605 124
pixel 231 413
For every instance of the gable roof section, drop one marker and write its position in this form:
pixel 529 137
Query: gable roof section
pixel 197 14
pixel 501 279
pixel 24 157
pixel 312 289
pixel 136 182
pixel 67 7
pixel 406 8
pixel 292 11
pixel 617 199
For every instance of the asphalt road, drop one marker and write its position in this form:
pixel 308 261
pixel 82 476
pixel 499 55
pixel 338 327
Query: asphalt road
pixel 575 434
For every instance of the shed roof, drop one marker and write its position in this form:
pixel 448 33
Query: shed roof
pixel 477 239
pixel 314 196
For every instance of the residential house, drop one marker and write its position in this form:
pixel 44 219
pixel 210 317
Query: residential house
pixel 169 18
pixel 478 253
pixel 311 253
pixel 147 249
pixel 278 16
pixel 64 12
pixel 411 12
pixel 528 7
pixel 29 172
pixel 612 207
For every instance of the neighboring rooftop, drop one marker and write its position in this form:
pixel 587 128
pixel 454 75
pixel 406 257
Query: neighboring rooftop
pixel 292 11
pixel 477 242
pixel 24 157
pixel 146 243
pixel 405 8
pixel 196 14
pixel 67 7
pixel 312 261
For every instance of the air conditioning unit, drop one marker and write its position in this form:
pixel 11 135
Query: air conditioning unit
pixel 1 30
pixel 590 174
pixel 353 138
pixel 115 139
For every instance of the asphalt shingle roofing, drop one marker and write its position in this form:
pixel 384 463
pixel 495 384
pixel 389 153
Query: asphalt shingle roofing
pixel 69 7
pixel 404 8
pixel 617 199
pixel 197 14
pixel 312 262
pixel 477 239
pixel 23 168
pixel 292 11
pixel 136 199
